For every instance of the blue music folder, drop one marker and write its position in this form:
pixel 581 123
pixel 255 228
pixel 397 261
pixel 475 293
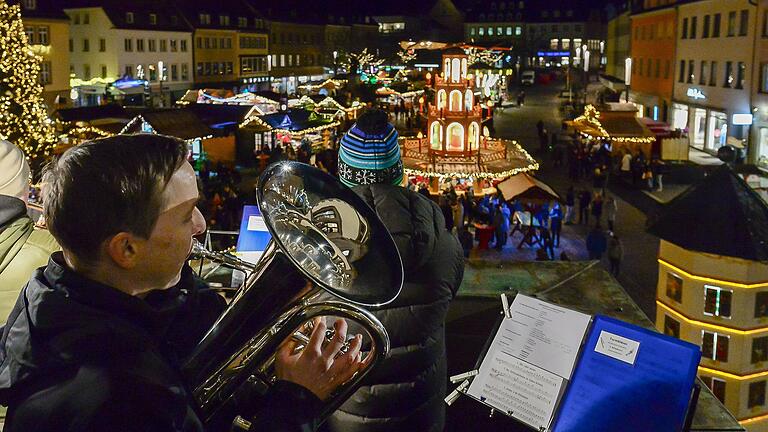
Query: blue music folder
pixel 254 235
pixel 629 379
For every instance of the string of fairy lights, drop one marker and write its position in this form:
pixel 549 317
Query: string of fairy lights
pixel 591 118
pixel 24 120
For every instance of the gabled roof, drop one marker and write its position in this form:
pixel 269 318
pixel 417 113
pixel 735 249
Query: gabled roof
pixel 116 10
pixel 180 123
pixel 721 215
pixel 294 120
pixel 44 9
pixel 91 113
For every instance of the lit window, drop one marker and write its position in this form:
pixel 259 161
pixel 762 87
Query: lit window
pixel 129 17
pixel 153 19
pixel 717 301
pixel 714 346
pixel 481 31
pixel 716 385
pixel 553 43
pixel 509 31
pixel 518 31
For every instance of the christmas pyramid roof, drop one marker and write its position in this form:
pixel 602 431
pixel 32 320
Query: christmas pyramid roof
pixel 721 215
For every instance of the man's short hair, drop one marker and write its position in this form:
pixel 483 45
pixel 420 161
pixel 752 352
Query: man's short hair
pixel 107 186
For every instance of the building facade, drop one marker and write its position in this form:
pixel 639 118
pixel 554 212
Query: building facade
pixel 296 54
pixel 617 45
pixel 139 54
pixel 759 135
pixel 653 41
pixel 47 30
pixel 713 78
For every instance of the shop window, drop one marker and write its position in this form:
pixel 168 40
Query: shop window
pixel 714 346
pixel 718 130
pixel 679 116
pixel 761 298
pixel 675 282
pixel 760 349
pixel 671 327
pixel 762 160
pixel 756 394
pixel 699 127
pixel 716 385
pixel 717 301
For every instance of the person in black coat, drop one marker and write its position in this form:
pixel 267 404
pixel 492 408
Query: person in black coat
pixel 97 338
pixel 406 393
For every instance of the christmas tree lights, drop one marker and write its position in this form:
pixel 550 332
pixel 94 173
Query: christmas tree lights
pixel 23 117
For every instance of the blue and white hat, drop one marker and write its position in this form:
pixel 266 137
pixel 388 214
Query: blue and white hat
pixel 369 152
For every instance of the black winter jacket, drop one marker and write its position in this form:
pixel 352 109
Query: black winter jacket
pixel 76 355
pixel 406 393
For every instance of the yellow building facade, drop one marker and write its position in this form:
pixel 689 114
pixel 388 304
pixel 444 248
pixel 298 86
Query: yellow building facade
pixel 47 31
pixel 719 301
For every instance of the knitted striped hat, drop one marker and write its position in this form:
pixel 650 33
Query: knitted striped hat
pixel 369 152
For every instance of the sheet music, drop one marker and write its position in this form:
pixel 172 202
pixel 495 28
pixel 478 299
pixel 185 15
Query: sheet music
pixel 529 361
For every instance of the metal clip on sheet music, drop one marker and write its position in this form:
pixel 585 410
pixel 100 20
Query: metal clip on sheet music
pixel 464 376
pixel 505 305
pixel 455 394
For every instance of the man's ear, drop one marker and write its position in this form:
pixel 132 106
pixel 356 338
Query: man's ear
pixel 123 249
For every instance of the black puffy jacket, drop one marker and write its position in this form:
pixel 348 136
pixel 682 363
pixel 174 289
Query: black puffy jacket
pixel 406 393
pixel 79 356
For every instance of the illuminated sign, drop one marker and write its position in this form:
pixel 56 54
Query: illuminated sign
pixel 742 119
pixel 553 53
pixel 695 93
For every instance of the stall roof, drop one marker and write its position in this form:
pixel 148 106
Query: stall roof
pixel 526 186
pixel 721 215
pixel 294 120
pixel 218 115
pixel 92 113
pixel 180 123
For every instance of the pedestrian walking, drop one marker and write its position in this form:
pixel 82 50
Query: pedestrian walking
pixel 597 208
pixel 615 253
pixel 501 226
pixel 610 206
pixel 584 199
pixel 555 223
pixel 596 243
pixel 570 201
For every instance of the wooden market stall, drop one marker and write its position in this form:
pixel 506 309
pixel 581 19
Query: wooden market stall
pixel 618 124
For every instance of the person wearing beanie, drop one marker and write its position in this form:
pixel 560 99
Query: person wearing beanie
pixel 23 248
pixel 407 392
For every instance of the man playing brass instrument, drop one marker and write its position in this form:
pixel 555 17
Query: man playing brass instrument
pixel 96 338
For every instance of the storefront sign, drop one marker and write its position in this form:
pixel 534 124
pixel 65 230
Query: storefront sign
pixel 695 93
pixel 553 53
pixel 742 119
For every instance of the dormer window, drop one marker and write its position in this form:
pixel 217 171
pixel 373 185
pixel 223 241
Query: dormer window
pixel 242 22
pixel 205 19
pixel 223 20
pixel 129 17
pixel 30 4
pixel 153 19
pixel 174 20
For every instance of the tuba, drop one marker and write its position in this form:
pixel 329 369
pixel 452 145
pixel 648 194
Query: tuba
pixel 330 255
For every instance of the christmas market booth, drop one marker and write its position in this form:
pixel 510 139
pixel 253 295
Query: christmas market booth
pixel 261 104
pixel 329 107
pixel 287 130
pixel 77 125
pixel 619 125
pixel 185 124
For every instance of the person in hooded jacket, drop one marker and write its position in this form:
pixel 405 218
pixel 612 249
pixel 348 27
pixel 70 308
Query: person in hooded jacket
pixel 406 393
pixel 96 339
pixel 23 248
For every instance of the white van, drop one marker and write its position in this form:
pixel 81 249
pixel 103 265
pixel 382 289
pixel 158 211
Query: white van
pixel 528 77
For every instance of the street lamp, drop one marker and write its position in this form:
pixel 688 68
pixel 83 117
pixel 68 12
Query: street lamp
pixel 335 67
pixel 586 71
pixel 627 75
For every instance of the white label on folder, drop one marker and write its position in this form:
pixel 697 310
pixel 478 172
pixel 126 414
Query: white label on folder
pixel 617 347
pixel 256 223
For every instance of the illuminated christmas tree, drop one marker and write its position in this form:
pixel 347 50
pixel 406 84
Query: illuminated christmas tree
pixel 23 117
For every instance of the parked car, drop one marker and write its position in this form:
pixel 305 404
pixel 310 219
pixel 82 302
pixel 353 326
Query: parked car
pixel 528 77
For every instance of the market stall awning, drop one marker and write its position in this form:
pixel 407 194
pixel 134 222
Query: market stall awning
pixel 179 123
pixel 616 123
pixel 526 187
pixel 293 121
